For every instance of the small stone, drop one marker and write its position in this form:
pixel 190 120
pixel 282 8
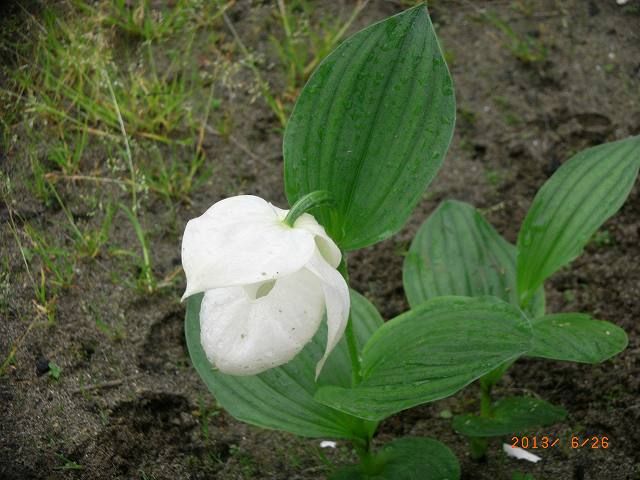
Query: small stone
pixel 42 366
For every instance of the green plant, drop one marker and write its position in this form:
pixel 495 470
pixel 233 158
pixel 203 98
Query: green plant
pixel 67 464
pixel 457 252
pixel 522 476
pixel 54 371
pixel 205 413
pixel 67 158
pixel 45 295
pixel 602 238
pixel 361 173
pixel 146 280
pixel 275 332
pixel 55 259
pixel 115 332
pixel 138 20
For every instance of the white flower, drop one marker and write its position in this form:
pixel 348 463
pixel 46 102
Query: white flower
pixel 266 285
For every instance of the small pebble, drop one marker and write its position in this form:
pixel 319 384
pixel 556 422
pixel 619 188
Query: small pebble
pixel 42 366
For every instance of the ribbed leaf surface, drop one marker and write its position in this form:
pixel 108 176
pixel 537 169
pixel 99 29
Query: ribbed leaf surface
pixel 431 352
pixel 576 337
pixel 568 209
pixel 457 252
pixel 282 398
pixel 372 126
pixel 510 415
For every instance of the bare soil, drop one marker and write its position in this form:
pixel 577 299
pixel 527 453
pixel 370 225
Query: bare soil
pixel 133 407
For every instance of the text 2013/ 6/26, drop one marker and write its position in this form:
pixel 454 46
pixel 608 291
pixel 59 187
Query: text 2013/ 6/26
pixel 535 442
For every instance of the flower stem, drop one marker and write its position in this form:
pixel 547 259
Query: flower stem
pixel 319 198
pixel 485 399
pixel 350 334
pixel 479 445
pixel 356 376
pixel 368 460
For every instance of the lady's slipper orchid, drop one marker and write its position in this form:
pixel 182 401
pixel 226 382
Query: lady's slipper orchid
pixel 266 285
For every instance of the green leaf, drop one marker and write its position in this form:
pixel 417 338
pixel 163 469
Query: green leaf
pixel 54 370
pixel 408 459
pixel 431 352
pixel 571 206
pixel 282 398
pixel 372 126
pixel 522 476
pixel 510 415
pixel 457 252
pixel 576 337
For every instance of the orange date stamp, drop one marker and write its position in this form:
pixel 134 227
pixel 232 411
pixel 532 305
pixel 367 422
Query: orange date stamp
pixel 543 442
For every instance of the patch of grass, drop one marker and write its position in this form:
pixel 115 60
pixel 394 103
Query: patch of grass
pixel 138 20
pixel 63 85
pixel 244 459
pixel 602 238
pixel 174 181
pixel 38 183
pixel 467 117
pixel 87 242
pixel 115 332
pixel 56 260
pixel 67 464
pixel 526 47
pixel 65 156
pixel 506 108
pixel 146 280
pixel 91 84
pixel 494 177
pixel 5 284
pixel 44 293
pixel 144 476
pixel 306 40
pixel 207 410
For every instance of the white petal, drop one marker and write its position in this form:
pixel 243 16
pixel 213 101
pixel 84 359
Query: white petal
pixel 244 336
pixel 336 294
pixel 326 245
pixel 241 240
pixel 519 453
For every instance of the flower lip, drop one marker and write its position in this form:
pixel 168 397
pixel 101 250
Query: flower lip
pixel 241 336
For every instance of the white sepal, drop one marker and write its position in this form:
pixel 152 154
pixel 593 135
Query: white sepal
pixel 241 240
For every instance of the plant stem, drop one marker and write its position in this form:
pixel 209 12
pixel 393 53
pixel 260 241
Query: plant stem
pixel 367 459
pixel 479 445
pixel 485 400
pixel 356 376
pixel 350 334
pixel 362 444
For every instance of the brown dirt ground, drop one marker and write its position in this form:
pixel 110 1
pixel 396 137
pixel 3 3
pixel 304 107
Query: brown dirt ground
pixel 516 124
